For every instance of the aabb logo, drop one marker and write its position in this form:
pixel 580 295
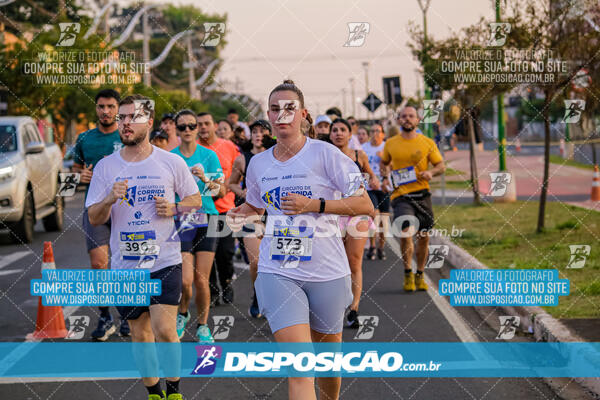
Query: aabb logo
pixel 207 359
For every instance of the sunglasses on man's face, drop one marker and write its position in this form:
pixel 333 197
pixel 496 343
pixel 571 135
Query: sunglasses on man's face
pixel 353 123
pixel 182 127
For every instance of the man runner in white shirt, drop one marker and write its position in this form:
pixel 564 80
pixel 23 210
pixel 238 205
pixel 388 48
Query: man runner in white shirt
pixel 136 189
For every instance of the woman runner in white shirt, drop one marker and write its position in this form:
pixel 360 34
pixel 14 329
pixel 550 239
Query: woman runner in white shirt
pixel 303 288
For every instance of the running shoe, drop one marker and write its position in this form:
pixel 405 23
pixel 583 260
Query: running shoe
pixel 254 311
pixel 105 328
pixel 420 282
pixel 204 335
pixel 175 396
pixel 352 320
pixel 381 254
pixel 409 282
pixel 228 294
pixel 371 253
pixel 124 328
pixel 182 321
pixel 156 396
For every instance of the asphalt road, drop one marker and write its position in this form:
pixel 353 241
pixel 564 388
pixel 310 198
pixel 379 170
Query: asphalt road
pixel 417 317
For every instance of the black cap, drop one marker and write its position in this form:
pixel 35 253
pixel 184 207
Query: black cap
pixel 167 116
pixel 158 133
pixel 262 123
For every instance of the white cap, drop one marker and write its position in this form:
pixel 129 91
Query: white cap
pixel 322 118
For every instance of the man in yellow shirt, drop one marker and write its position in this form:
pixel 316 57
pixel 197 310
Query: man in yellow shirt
pixel 410 154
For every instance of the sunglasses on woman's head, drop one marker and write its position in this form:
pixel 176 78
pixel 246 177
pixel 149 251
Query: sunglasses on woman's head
pixel 182 127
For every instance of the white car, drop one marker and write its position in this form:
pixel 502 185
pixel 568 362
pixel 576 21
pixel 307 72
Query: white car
pixel 29 179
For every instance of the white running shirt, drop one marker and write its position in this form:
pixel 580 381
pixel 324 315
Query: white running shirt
pixel 374 159
pixel 318 170
pixel 133 218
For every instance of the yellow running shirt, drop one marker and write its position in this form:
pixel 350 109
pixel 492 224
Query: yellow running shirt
pixel 417 153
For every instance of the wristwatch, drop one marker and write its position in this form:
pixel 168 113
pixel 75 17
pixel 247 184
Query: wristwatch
pixel 322 206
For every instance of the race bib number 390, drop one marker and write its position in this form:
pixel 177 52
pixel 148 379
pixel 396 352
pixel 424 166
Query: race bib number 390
pixel 403 176
pixel 134 245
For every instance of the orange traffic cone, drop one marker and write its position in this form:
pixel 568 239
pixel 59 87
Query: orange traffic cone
pixel 50 321
pixel 596 184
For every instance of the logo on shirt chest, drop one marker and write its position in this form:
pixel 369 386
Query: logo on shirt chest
pixel 129 198
pixel 140 194
pixel 273 197
pixel 138 221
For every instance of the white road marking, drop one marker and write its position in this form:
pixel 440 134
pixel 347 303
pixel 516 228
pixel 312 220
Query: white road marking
pixel 458 324
pixel 11 258
pixel 10 271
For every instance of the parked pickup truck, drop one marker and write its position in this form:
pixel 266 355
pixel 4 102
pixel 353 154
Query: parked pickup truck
pixel 29 179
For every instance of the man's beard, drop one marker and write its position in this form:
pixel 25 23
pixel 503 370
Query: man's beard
pixel 107 124
pixel 135 140
pixel 405 129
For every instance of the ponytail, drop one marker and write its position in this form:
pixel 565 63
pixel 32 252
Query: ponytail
pixel 310 131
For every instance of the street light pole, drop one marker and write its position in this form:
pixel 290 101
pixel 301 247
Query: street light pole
pixel 500 100
pixel 146 49
pixel 353 97
pixel 365 65
pixel 191 62
pixel 427 89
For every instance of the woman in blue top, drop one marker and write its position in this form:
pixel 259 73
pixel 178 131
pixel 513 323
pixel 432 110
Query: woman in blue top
pixel 196 247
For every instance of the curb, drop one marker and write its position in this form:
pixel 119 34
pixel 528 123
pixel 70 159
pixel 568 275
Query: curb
pixel 533 319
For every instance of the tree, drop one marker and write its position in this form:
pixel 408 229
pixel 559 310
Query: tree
pixel 435 56
pixel 552 25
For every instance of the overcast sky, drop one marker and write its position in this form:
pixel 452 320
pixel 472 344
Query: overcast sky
pixel 269 40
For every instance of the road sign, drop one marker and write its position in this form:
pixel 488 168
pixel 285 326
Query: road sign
pixel 372 102
pixel 392 93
